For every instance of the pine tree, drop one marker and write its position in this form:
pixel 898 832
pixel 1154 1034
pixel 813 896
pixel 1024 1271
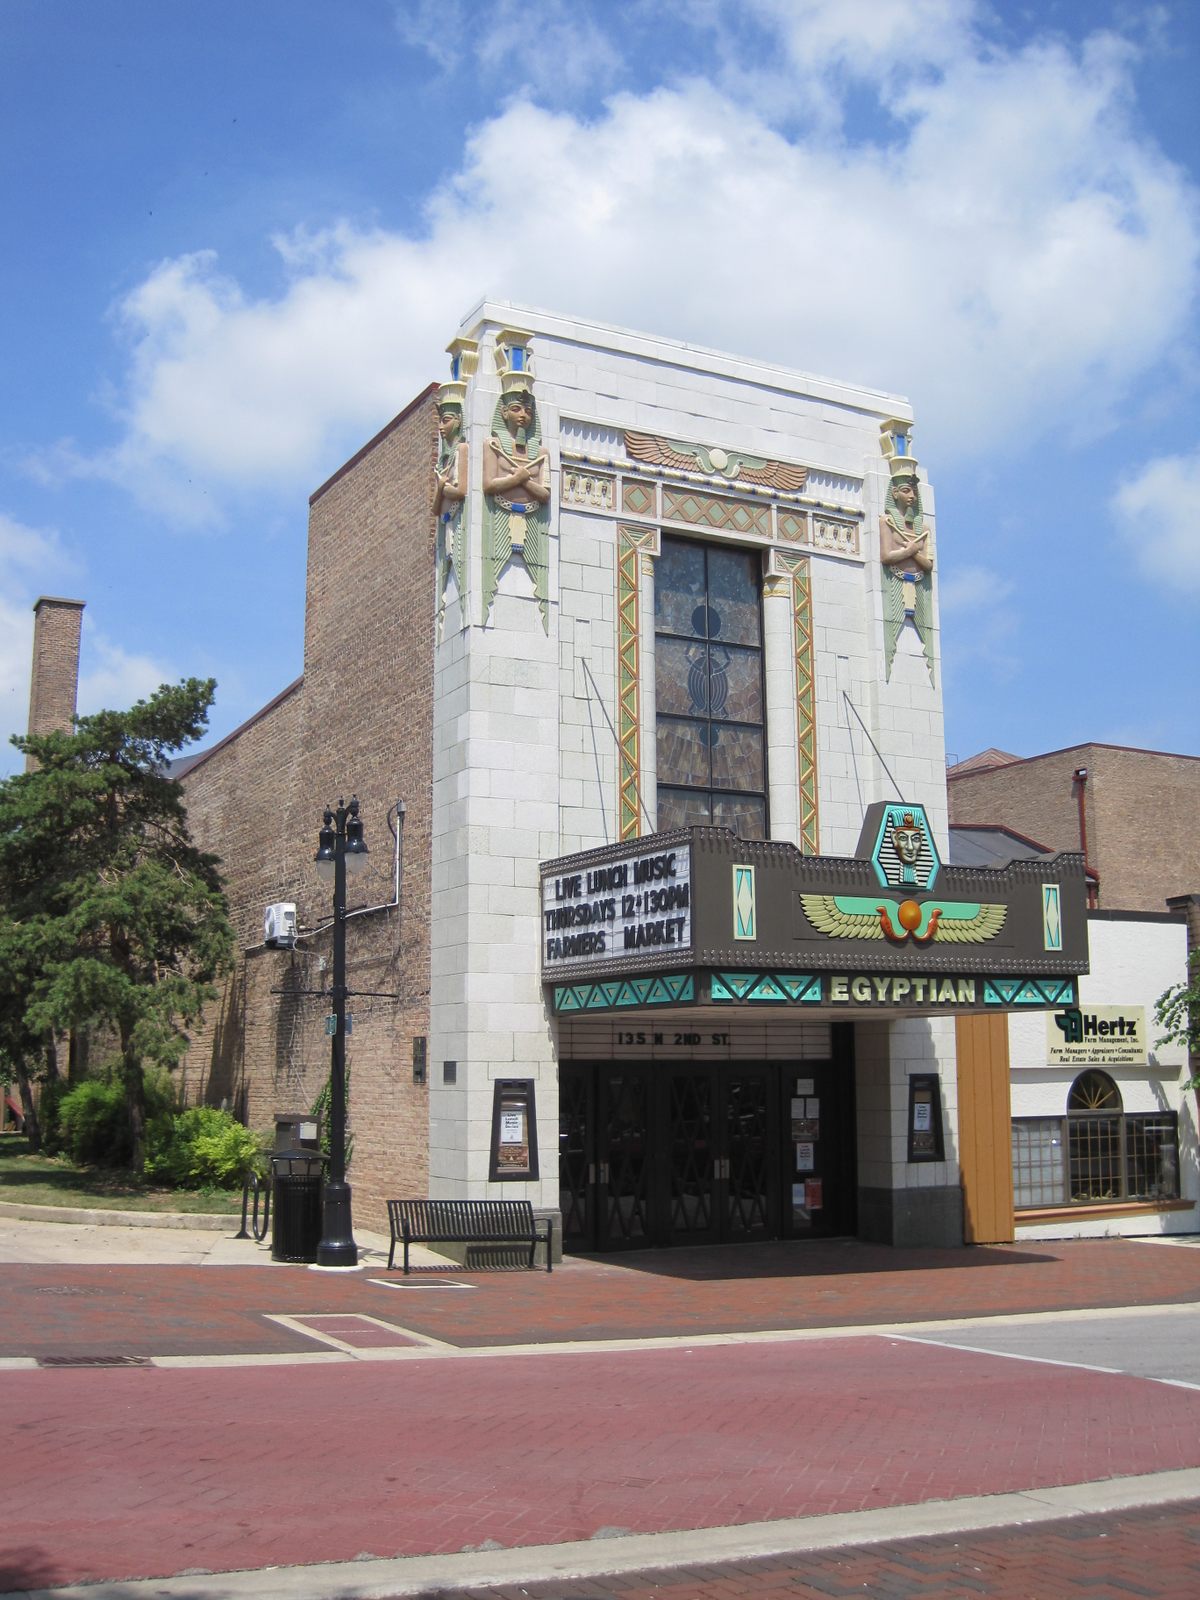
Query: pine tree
pixel 110 918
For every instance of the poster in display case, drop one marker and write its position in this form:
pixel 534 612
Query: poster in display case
pixel 514 1131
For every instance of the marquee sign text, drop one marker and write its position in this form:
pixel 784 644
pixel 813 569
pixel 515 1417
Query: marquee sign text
pixel 641 903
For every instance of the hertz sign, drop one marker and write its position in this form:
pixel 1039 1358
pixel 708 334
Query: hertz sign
pixel 1115 1035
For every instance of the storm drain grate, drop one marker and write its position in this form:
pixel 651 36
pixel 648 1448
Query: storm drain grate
pixel 93 1361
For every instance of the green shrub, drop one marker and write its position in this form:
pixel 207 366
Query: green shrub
pixel 93 1125
pixel 93 1128
pixel 200 1148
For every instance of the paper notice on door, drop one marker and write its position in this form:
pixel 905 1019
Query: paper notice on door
pixel 812 1194
pixel 812 1107
pixel 804 1085
pixel 804 1157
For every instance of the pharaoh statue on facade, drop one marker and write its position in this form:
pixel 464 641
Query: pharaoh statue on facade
pixel 906 551
pixel 451 482
pixel 516 481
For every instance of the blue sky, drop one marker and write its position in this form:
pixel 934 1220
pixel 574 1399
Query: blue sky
pixel 238 234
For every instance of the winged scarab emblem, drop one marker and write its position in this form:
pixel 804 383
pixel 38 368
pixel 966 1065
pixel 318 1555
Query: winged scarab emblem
pixel 679 456
pixel 844 916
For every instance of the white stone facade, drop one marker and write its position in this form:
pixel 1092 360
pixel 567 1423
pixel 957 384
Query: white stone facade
pixel 528 725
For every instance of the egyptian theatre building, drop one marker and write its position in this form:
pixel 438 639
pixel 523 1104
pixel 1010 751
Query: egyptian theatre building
pixel 634 649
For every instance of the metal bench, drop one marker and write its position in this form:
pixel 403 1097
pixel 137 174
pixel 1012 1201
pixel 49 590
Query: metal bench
pixel 468 1222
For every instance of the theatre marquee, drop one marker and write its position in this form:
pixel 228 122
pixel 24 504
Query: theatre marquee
pixel 701 917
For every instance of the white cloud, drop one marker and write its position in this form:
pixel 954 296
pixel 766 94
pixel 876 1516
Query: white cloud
pixel 111 678
pixel 1013 257
pixel 28 552
pixel 438 27
pixel 825 44
pixel 1158 516
pixel 555 51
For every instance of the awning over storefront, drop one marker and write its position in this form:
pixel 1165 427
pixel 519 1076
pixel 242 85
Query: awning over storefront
pixel 701 917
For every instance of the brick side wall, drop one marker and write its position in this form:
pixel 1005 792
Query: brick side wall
pixel 360 723
pixel 238 807
pixel 1140 809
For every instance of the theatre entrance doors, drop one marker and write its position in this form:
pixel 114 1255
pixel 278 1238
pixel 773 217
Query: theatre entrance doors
pixel 654 1153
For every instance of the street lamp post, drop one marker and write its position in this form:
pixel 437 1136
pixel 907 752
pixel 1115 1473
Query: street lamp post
pixel 341 849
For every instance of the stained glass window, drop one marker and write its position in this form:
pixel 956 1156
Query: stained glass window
pixel 711 743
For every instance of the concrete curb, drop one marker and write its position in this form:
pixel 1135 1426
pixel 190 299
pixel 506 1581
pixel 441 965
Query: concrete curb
pixel 421 1577
pixel 201 1221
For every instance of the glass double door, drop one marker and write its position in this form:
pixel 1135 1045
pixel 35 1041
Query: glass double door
pixel 689 1153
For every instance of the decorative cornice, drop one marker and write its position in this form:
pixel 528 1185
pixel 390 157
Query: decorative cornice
pixel 707 480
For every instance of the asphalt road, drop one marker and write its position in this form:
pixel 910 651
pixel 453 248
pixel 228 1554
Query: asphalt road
pixel 1163 1344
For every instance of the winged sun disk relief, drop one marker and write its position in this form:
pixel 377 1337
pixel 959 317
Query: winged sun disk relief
pixel 732 464
pixel 857 917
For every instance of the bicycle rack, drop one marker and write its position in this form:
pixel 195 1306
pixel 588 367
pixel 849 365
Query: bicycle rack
pixel 260 1189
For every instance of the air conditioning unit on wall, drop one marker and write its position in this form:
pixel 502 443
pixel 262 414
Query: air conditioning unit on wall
pixel 279 926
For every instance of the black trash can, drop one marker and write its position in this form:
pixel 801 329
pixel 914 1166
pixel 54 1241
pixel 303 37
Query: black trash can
pixel 297 1178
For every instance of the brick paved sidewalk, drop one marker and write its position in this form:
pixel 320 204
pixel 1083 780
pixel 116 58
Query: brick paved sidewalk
pixel 1153 1553
pixel 248 1467
pixel 80 1311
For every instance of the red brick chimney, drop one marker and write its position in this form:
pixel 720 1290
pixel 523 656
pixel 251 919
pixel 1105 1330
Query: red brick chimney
pixel 55 680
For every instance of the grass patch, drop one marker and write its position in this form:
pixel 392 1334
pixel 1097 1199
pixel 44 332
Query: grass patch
pixel 41 1180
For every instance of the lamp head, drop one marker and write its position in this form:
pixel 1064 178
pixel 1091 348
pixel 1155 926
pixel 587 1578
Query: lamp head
pixel 326 841
pixel 356 845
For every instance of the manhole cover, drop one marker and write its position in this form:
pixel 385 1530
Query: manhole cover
pixel 93 1361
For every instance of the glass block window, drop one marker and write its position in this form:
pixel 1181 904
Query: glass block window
pixel 1095 1154
pixel 711 745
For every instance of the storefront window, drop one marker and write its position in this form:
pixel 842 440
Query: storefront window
pixel 711 749
pixel 1095 1154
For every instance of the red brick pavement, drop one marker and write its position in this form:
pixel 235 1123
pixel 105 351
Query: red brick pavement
pixel 252 1466
pixel 1154 1553
pixel 167 1310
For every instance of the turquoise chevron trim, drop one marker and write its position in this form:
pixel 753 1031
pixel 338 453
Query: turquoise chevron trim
pixel 765 988
pixel 1029 991
pixel 668 991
